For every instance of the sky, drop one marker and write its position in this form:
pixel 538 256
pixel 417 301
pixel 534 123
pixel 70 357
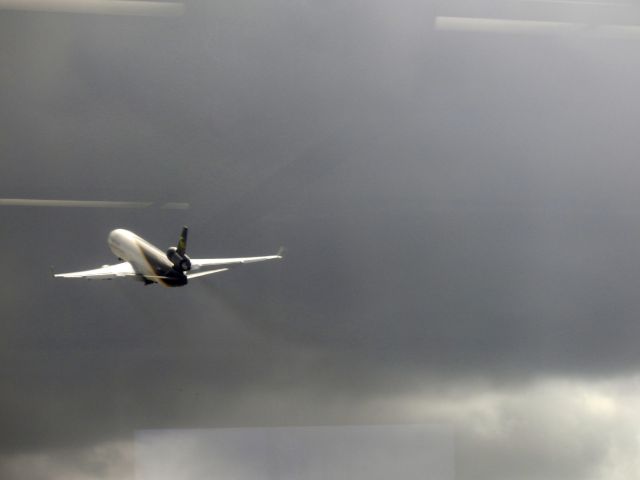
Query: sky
pixel 460 213
pixel 358 452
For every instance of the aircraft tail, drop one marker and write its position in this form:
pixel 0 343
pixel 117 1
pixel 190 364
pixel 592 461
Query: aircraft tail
pixel 182 242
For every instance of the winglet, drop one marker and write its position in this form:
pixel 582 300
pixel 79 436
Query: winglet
pixel 53 274
pixel 281 252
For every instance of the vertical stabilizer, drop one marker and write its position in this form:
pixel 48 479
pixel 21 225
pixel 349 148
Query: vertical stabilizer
pixel 182 242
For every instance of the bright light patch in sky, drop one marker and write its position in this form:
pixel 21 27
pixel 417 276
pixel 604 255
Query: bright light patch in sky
pixel 534 27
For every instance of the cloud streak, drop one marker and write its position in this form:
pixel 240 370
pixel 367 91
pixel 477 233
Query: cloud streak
pixel 101 7
pixel 41 202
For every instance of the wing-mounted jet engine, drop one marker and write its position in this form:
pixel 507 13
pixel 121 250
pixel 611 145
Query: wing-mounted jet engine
pixel 177 256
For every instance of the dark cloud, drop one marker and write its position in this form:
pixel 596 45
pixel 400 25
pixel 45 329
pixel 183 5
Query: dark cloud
pixel 458 209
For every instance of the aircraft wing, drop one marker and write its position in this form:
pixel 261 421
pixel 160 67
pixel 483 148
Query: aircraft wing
pixel 224 263
pixel 107 272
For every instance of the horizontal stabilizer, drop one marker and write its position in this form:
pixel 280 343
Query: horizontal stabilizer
pixel 202 274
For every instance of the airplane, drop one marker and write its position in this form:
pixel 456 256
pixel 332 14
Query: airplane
pixel 146 263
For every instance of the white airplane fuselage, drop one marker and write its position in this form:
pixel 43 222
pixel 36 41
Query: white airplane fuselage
pixel 148 261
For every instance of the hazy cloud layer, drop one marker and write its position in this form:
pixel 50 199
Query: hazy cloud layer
pixel 460 211
pixel 358 452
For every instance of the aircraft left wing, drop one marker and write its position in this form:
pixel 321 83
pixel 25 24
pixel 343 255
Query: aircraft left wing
pixel 106 272
pixel 225 263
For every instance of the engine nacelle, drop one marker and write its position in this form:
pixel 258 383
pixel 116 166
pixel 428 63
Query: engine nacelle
pixel 180 262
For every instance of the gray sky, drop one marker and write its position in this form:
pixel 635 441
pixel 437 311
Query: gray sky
pixel 460 211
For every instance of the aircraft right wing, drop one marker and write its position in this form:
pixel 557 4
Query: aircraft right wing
pixel 107 272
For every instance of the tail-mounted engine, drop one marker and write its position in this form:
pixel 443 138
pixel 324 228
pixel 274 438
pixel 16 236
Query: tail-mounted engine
pixel 177 255
pixel 180 262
